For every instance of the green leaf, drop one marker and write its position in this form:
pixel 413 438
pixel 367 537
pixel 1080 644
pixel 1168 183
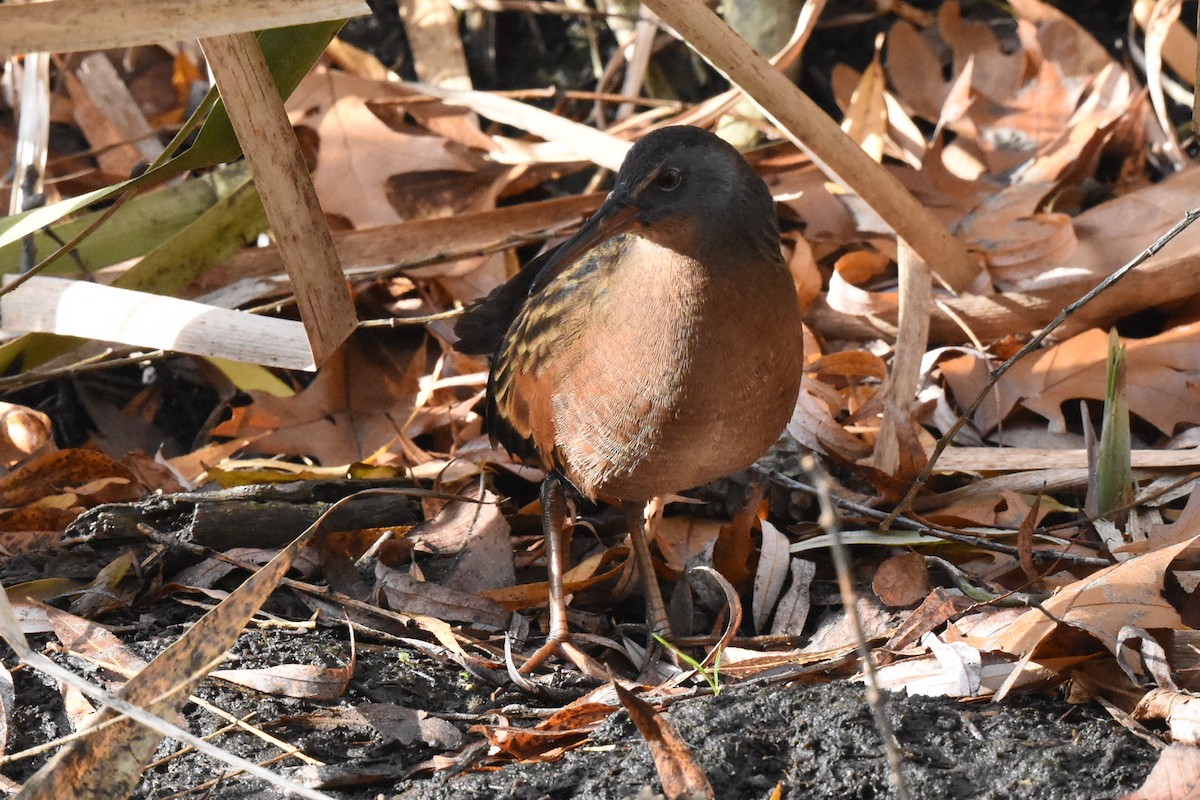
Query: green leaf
pixel 143 223
pixel 1114 470
pixel 290 53
pixel 252 377
pixel 220 232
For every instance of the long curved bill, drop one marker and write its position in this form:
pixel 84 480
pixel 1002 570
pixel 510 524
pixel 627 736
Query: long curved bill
pixel 613 218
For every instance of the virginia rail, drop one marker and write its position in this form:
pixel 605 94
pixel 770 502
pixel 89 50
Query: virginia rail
pixel 657 349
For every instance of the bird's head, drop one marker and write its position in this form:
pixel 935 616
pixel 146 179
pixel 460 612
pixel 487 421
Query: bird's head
pixel 686 189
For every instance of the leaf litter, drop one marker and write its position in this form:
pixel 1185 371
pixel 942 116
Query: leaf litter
pixel 1035 147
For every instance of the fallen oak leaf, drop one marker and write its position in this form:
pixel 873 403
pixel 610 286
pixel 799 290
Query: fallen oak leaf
pixel 1125 594
pixel 682 778
pixel 1162 372
pixel 302 681
pixel 1176 776
pixel 328 421
pixel 1181 711
pixel 52 473
pixel 565 728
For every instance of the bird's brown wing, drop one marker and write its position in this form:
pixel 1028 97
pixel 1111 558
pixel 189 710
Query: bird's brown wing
pixel 482 326
pixel 523 334
pixel 481 331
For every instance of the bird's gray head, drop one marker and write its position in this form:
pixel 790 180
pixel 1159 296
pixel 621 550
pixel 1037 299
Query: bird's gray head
pixel 693 191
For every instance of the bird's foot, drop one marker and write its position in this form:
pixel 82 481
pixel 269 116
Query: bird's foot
pixel 556 645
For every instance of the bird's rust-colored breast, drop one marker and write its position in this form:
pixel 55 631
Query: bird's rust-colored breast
pixel 657 374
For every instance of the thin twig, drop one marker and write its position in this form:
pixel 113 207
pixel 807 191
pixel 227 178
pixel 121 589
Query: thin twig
pixel 996 374
pixel 841 560
pixel 108 359
pixel 939 531
pixel 400 322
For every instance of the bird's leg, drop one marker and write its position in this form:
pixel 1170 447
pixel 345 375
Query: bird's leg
pixel 554 520
pixel 656 609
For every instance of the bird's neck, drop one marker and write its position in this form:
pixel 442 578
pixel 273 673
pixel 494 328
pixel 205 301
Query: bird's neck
pixel 731 241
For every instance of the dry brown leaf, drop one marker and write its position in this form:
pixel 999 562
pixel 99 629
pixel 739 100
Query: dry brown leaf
pixel 849 364
pixel 792 611
pixel 1176 776
pixel 30 528
pixel 733 550
pixel 1180 710
pixel 902 580
pixel 1016 238
pixel 153 473
pixel 770 575
pixel 1025 541
pixel 406 725
pixel 936 609
pixel 682 778
pixel 359 152
pixel 55 472
pixel 357 405
pixel 1163 376
pixel 866 118
pixel 566 728
pixel 583 575
pixel 23 432
pixel 94 642
pixel 1061 39
pixel 948 193
pixel 804 193
pixel 915 71
pixel 41 590
pixel 303 681
pixel 1107 236
pixel 476 533
pixel 680 538
pixel 814 425
pixel 835 629
pixel 1074 153
pixel 108 591
pixel 1125 594
pixel 406 594
pixel 1185 526
pixel 997 73
pixel 805 273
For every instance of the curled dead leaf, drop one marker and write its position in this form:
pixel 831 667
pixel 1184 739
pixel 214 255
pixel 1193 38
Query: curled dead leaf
pixel 902 580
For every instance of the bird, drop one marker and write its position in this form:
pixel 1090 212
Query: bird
pixel 657 349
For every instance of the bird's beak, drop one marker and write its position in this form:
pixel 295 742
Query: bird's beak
pixel 613 218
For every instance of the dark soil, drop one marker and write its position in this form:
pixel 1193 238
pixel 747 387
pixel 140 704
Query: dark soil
pixel 818 741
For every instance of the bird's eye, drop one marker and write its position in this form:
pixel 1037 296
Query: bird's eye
pixel 668 180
